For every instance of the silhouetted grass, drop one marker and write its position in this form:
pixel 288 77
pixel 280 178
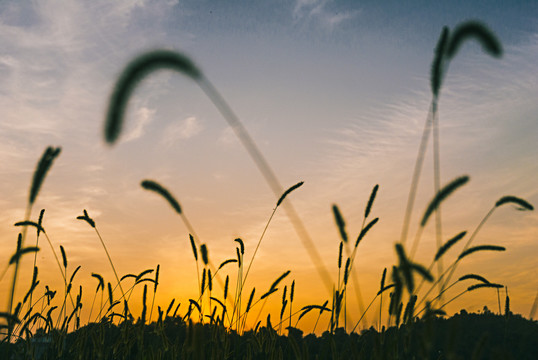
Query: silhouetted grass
pixel 214 326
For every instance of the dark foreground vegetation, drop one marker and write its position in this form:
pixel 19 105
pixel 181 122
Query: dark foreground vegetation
pixel 463 336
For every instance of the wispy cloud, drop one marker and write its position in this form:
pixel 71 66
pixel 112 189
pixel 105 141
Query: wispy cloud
pixel 322 12
pixel 182 130
pixel 486 130
pixel 60 60
pixel 143 117
pixel 227 137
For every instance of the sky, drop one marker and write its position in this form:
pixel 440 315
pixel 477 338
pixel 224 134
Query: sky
pixel 334 93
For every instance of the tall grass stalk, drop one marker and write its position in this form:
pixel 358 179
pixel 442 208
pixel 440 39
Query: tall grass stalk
pixel 445 51
pixel 40 223
pixel 91 222
pixel 42 168
pixel 193 236
pixel 242 280
pixel 148 62
pixel 509 199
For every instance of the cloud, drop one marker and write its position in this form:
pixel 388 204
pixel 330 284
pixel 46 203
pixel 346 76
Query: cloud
pixel 319 11
pixel 228 137
pixel 143 117
pixel 182 130
pixel 58 60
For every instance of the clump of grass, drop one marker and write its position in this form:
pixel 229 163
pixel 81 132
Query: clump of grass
pixel 445 51
pixel 43 167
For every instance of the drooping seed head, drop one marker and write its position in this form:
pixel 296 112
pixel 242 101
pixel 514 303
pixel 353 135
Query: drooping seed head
pixel 279 279
pixel 283 196
pixel 133 73
pixel 478 31
pixel 241 245
pixel 509 199
pixel 474 249
pixel 159 189
pixel 474 277
pixel 444 248
pixel 441 195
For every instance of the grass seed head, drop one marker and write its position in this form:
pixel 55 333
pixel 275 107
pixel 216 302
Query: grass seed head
pixel 371 201
pixel 159 189
pixel 64 257
pixel 444 248
pixel 441 195
pixel 241 245
pixel 193 245
pixel 436 75
pixel 474 249
pixel 509 199
pixel 203 251
pixel 340 223
pixel 133 73
pixel 283 196
pixel 41 170
pixel 478 31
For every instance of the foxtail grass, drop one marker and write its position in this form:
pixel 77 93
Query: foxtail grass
pixel 91 222
pixel 151 61
pixel 445 51
pixel 42 168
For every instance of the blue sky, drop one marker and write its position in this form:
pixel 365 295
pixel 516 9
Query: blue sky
pixel 335 93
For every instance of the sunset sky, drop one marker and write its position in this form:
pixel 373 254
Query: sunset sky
pixel 334 93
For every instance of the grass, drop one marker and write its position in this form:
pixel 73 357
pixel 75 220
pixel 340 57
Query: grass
pixel 214 325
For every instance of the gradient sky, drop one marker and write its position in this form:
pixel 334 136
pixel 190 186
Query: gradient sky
pixel 335 93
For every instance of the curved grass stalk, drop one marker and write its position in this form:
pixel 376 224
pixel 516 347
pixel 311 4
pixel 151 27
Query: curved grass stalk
pixel 91 222
pixel 364 230
pixel 446 48
pixel 42 168
pixel 242 280
pixel 151 61
pixel 193 236
pixel 468 243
